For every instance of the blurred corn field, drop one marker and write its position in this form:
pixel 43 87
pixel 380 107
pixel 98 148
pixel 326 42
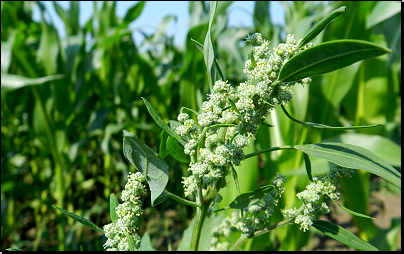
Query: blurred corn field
pixel 65 102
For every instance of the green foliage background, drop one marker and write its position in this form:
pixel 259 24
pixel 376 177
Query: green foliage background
pixel 61 140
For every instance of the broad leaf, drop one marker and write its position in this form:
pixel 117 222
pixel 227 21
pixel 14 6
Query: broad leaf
pixel 133 12
pixel 161 123
pixel 146 161
pixel 343 235
pixel 320 26
pixel 243 200
pixel 352 156
pixel 327 57
pixel 113 203
pixel 80 219
pixel 177 150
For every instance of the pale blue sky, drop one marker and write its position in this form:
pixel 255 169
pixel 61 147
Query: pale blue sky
pixel 154 11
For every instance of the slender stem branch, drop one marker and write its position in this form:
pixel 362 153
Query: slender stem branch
pixel 268 150
pixel 244 238
pixel 181 200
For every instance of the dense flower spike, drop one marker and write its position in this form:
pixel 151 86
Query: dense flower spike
pixel 245 106
pixel 128 213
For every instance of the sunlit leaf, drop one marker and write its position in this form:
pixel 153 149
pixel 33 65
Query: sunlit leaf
pixel 351 156
pixel 327 57
pixel 342 235
pixel 320 26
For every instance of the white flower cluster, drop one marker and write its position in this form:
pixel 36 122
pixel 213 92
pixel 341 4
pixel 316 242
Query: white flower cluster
pixel 246 107
pixel 310 197
pixel 127 213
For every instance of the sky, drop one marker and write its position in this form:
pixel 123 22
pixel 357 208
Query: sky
pixel 154 11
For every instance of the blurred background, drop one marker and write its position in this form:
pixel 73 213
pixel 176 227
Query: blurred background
pixel 72 78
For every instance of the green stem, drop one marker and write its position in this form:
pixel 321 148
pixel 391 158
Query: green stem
pixel 268 150
pixel 181 200
pixel 244 238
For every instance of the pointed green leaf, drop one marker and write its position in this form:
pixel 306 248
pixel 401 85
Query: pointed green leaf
pixel 131 243
pixel 323 126
pixel 177 150
pixel 352 212
pixel 133 12
pixel 320 26
pixel 146 244
pixel 243 200
pixel 80 219
pixel 208 53
pixel 308 165
pixel 163 147
pixel 161 123
pixel 200 47
pixel 146 161
pixel 113 203
pixel 344 236
pixel 352 156
pixel 253 58
pixel 327 57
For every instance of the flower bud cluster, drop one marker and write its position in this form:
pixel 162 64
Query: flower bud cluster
pixel 328 185
pixel 245 106
pixel 127 213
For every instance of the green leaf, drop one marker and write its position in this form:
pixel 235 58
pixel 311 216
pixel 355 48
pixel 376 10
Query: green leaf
pixel 320 26
pixel 200 47
pixel 146 161
pixel 243 200
pixel 161 123
pixel 308 165
pixel 131 243
pixel 327 57
pixel 385 148
pixel 382 11
pixel 208 53
pixel 177 150
pixel 322 126
pixel 80 219
pixel 163 147
pixel 10 82
pixel 352 212
pixel 344 236
pixel 113 203
pixel 352 156
pixel 133 12
pixel 252 58
pixel 146 244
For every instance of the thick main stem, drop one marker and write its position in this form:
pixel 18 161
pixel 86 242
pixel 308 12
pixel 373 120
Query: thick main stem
pixel 201 213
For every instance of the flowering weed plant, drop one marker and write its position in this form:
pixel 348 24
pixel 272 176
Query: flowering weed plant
pixel 212 141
